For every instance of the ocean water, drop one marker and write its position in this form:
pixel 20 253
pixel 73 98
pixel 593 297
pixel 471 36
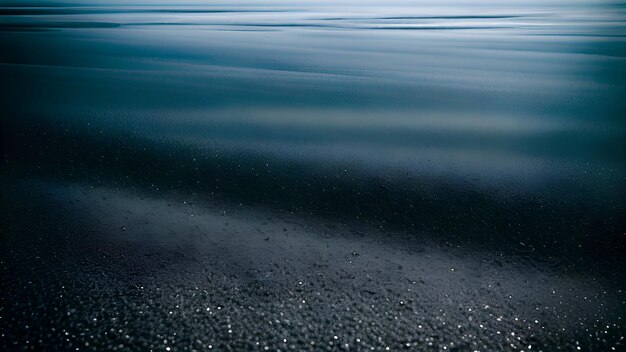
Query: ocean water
pixel 419 112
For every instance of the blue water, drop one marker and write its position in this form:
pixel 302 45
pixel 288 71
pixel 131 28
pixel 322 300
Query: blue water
pixel 444 107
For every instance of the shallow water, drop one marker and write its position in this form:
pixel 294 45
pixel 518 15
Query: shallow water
pixel 494 128
pixel 301 106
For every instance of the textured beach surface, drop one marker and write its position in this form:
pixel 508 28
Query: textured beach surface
pixel 313 176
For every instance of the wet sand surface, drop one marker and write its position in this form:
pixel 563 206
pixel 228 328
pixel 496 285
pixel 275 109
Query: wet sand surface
pixel 313 176
pixel 130 271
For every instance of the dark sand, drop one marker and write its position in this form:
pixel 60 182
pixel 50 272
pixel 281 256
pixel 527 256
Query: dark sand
pixel 97 268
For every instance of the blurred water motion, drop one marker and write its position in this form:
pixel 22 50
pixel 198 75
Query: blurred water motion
pixel 384 104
